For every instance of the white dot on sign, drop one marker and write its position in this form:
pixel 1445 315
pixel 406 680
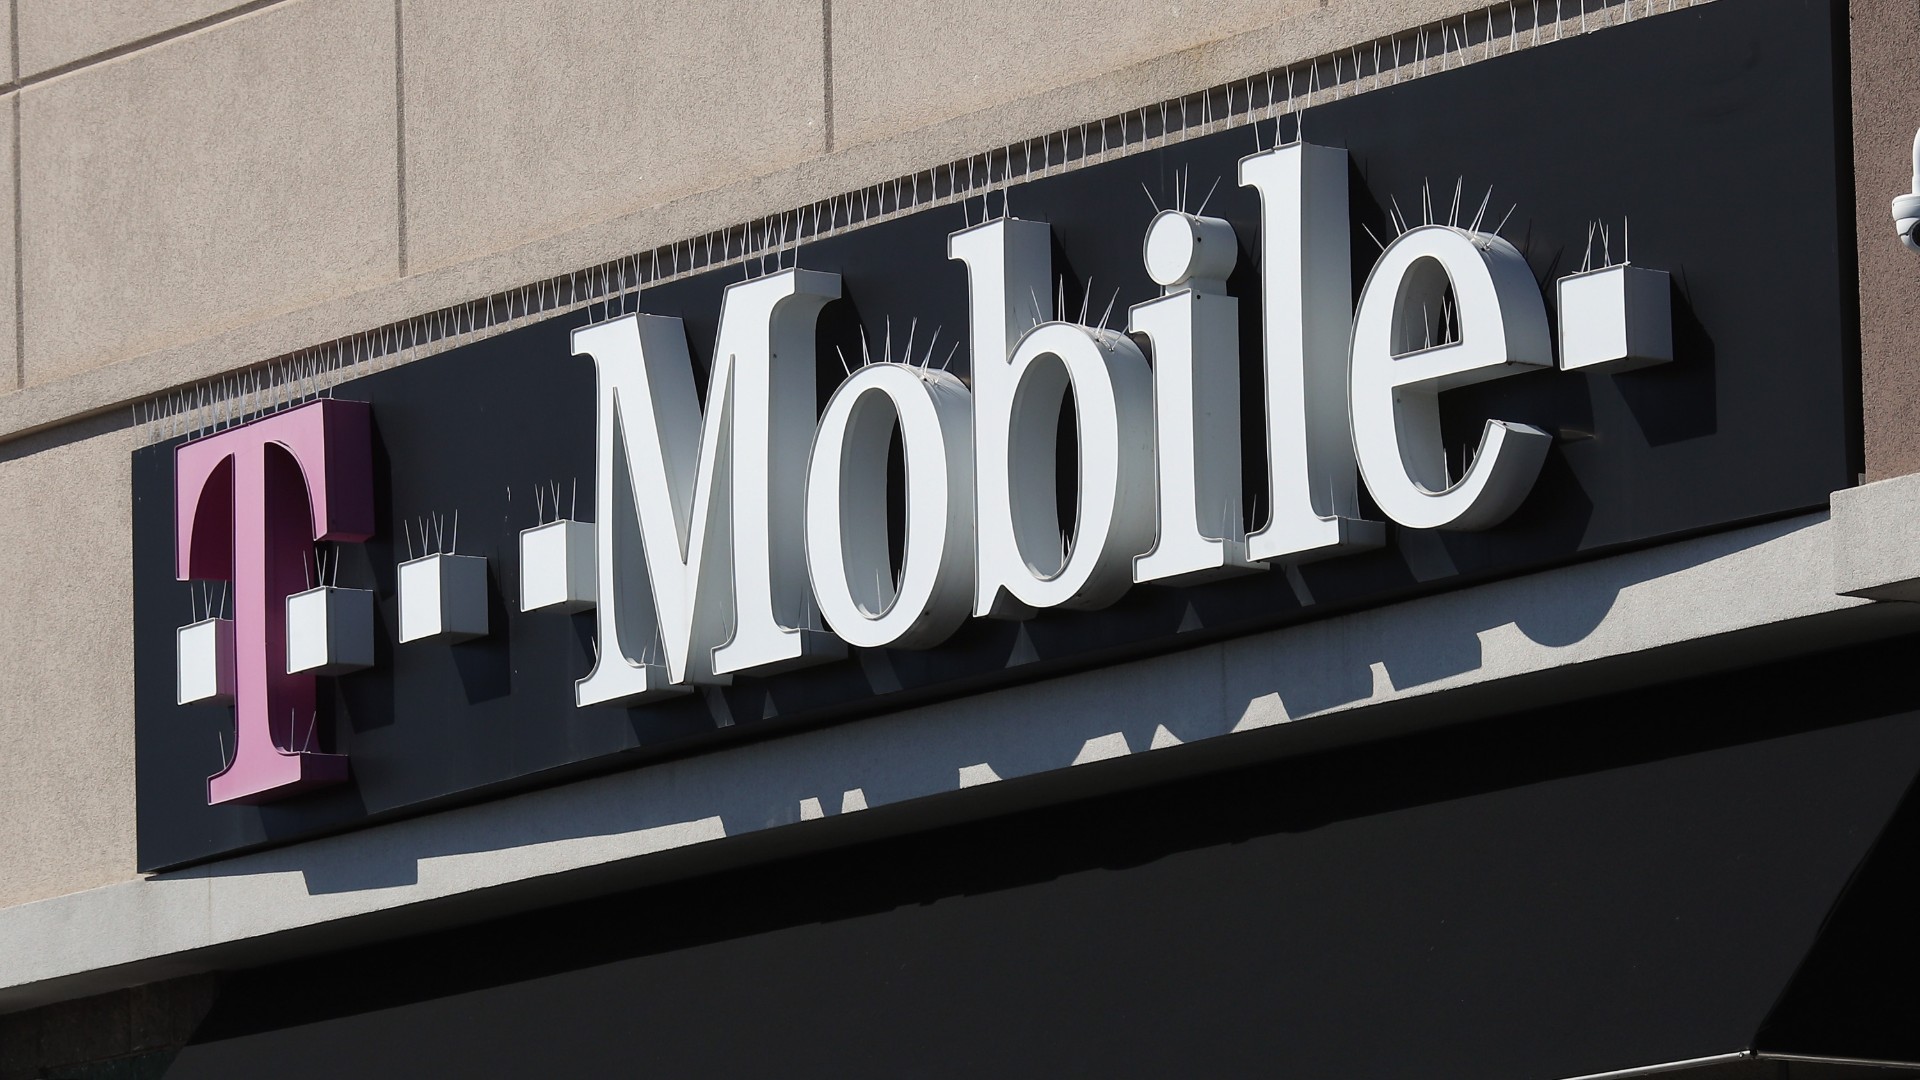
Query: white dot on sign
pixel 1169 248
pixel 1182 248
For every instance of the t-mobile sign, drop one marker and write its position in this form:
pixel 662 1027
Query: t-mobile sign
pixel 1471 326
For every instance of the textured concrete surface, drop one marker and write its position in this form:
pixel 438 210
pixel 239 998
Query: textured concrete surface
pixel 154 216
pixel 525 117
pixel 1707 604
pixel 66 618
pixel 9 314
pixel 1886 110
pixel 1876 551
pixel 59 32
pixel 899 67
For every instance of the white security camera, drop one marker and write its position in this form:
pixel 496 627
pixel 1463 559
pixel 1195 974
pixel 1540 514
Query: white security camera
pixel 1906 208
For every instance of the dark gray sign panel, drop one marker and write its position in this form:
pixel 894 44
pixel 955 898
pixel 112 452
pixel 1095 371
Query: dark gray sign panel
pixel 1714 131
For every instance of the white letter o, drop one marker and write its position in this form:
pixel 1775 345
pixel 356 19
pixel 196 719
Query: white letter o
pixel 848 555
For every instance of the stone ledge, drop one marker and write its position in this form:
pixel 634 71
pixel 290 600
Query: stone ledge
pixel 1876 550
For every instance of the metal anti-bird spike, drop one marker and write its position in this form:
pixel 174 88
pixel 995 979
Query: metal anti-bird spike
pixel 931 342
pixel 1208 198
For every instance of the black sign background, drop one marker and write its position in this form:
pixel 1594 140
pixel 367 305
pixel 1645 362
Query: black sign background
pixel 1713 130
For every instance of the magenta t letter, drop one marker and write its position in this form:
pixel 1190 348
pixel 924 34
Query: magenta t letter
pixel 248 504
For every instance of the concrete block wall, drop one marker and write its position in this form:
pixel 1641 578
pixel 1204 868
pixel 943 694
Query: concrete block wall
pixel 66 686
pixel 1886 110
pixel 198 186
pixel 210 179
pixel 891 75
pixel 522 119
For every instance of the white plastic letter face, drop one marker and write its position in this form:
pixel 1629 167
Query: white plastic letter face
pixel 847 544
pixel 1498 324
pixel 700 523
pixel 1307 305
pixel 1195 336
pixel 1023 560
